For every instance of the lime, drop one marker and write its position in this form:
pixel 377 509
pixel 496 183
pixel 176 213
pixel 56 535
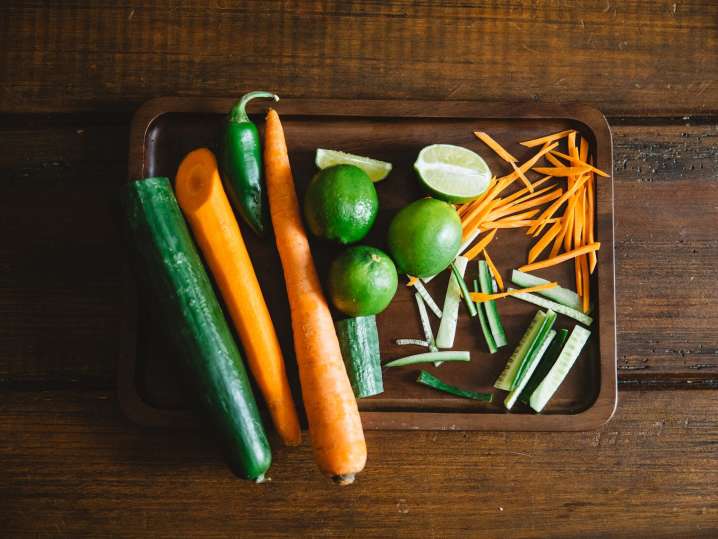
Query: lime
pixel 424 237
pixel 341 204
pixel 375 169
pixel 362 281
pixel 452 173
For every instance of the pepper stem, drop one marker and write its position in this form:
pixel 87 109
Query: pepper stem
pixel 239 114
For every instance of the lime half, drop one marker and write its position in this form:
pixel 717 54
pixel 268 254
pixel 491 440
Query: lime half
pixel 375 169
pixel 452 173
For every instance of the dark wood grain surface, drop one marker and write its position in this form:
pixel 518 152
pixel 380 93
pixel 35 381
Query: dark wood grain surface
pixel 71 75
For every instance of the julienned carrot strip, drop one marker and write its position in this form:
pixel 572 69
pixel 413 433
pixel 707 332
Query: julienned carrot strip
pixel 523 177
pixel 498 149
pixel 531 203
pixel 493 270
pixel 561 258
pixel 412 280
pixel 558 242
pixel 548 212
pixel 543 242
pixel 586 284
pixel 480 246
pixel 468 228
pixel 203 201
pixel 507 224
pixel 583 150
pixel 547 139
pixel 561 171
pixel 521 194
pixel 482 297
pixel 505 181
pixel 490 195
pixel 465 208
pixel 571 141
pixel 579 163
pixel 334 423
pixel 551 158
pixel 568 238
pixel 523 216
pixel 591 203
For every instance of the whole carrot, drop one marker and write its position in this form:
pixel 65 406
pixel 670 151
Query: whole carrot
pixel 334 423
pixel 203 201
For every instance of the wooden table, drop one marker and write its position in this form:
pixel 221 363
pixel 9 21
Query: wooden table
pixel 70 464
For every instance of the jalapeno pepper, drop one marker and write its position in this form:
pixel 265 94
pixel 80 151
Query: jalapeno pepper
pixel 242 163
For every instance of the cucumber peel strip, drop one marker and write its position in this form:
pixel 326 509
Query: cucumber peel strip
pixel 427 357
pixel 432 381
pixel 556 307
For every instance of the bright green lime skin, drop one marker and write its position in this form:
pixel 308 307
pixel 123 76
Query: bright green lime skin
pixel 341 204
pixel 424 237
pixel 362 281
pixel 443 196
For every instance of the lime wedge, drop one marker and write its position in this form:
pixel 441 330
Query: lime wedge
pixel 452 173
pixel 375 169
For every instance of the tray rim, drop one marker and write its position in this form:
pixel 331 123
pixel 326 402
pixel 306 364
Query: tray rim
pixel 596 415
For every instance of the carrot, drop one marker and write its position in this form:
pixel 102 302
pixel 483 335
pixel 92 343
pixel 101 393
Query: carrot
pixel 507 223
pixel 541 244
pixel 505 181
pixel 523 216
pixel 481 297
pixel 479 247
pixel 547 139
pixel 412 280
pixel 561 171
pixel 493 270
pixel 498 149
pixel 530 203
pixel 521 192
pixel 579 162
pixel 561 258
pixel 202 198
pixel 591 208
pixel 332 412
pixel 585 282
pixel 469 226
pixel 523 177
pixel 548 212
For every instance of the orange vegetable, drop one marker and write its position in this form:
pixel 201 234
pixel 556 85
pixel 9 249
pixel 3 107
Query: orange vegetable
pixel 493 270
pixel 585 283
pixel 541 244
pixel 412 281
pixel 530 203
pixel 579 162
pixel 480 246
pixel 481 297
pixel 469 226
pixel 561 258
pixel 520 195
pixel 505 181
pixel 547 139
pixel 561 171
pixel 332 412
pixel 548 212
pixel 591 208
pixel 523 177
pixel 491 143
pixel 507 223
pixel 203 201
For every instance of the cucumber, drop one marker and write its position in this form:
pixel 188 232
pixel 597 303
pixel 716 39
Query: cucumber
pixel 558 372
pixel 168 258
pixel 508 375
pixel 564 296
pixel 492 314
pixel 447 328
pixel 484 322
pixel 548 360
pixel 532 361
pixel 359 342
pixel 554 306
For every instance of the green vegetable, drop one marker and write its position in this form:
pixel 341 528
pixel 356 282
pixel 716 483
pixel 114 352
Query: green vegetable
pixel 447 328
pixel 424 293
pixel 564 296
pixel 413 342
pixel 486 330
pixel 433 382
pixel 169 260
pixel 544 365
pixel 242 163
pixel 557 307
pixel 492 314
pixel 470 305
pixel 426 357
pixel 548 322
pixel 557 374
pixel 359 342
pixel 531 362
pixel 425 325
pixel 507 377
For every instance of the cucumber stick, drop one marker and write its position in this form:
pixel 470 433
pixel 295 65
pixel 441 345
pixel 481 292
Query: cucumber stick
pixel 554 306
pixel 564 296
pixel 169 260
pixel 359 342
pixel 507 376
pixel 484 322
pixel 558 372
pixel 447 327
pixel 426 357
pixel 547 361
pixel 432 381
pixel 531 363
pixel 492 314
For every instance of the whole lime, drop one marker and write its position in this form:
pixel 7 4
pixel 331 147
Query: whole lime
pixel 424 237
pixel 362 281
pixel 341 204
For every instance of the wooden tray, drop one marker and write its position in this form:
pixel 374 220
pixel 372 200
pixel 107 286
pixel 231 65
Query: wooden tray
pixel 165 129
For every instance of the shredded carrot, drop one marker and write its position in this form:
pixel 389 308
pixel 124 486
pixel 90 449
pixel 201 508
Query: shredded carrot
pixel 493 270
pixel 505 181
pixel 548 212
pixel 507 224
pixel 562 171
pixel 576 161
pixel 561 258
pixel 520 195
pixel 412 280
pixel 591 203
pixel 523 177
pixel 541 244
pixel 481 297
pixel 572 149
pixel 531 203
pixel 586 286
pixel 558 242
pixel 547 139
pixel 484 201
pixel 551 158
pixel 480 246
pixel 583 150
pixel 469 227
pixel 491 143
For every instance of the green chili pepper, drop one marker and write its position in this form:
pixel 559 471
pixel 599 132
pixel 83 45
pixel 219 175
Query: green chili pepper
pixel 242 163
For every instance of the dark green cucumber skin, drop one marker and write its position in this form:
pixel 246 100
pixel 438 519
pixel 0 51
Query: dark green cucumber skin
pixel 359 342
pixel 543 368
pixel 169 260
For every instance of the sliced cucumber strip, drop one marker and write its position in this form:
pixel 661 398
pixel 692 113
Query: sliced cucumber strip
pixel 415 342
pixel 548 360
pixel 531 364
pixel 425 324
pixel 485 329
pixel 507 376
pixel 564 296
pixel 428 357
pixel 433 382
pixel 470 305
pixel 492 314
pixel 538 342
pixel 427 298
pixel 557 307
pixel 447 328
pixel 557 374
